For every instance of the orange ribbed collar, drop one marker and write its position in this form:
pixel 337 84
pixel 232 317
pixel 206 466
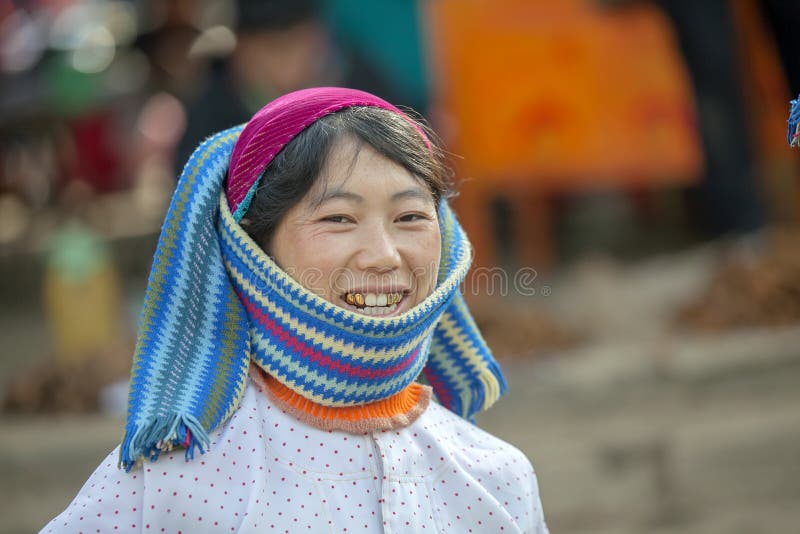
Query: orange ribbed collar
pixel 397 411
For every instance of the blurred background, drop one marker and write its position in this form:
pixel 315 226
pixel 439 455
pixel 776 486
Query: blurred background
pixel 623 174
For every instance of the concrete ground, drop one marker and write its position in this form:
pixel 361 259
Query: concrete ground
pixel 641 429
pixel 683 447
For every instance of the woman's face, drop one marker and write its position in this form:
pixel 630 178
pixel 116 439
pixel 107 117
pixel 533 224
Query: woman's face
pixel 365 237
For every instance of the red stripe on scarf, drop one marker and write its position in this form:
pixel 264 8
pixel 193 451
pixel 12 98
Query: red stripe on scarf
pixel 439 387
pixel 320 358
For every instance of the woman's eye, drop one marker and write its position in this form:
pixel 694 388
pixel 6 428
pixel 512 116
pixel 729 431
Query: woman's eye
pixel 337 219
pixel 412 217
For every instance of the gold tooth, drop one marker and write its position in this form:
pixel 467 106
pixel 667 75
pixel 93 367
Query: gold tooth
pixel 359 300
pixel 349 299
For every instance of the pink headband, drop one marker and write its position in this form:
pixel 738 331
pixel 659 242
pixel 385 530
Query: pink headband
pixel 276 124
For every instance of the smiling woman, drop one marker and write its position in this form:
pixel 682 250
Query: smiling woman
pixel 378 226
pixel 306 275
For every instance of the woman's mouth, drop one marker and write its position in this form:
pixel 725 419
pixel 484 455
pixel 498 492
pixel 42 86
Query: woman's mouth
pixel 373 304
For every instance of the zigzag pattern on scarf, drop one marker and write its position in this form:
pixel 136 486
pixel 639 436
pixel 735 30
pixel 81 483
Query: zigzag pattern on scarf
pixel 215 301
pixel 372 359
pixel 793 133
pixel 192 350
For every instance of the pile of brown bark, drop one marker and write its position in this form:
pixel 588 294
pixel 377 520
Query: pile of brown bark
pixel 516 328
pixel 52 386
pixel 751 290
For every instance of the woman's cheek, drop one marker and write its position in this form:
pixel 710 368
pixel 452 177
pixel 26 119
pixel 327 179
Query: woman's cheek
pixel 330 254
pixel 430 244
pixel 425 253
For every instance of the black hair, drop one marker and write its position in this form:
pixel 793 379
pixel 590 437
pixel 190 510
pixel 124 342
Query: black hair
pixel 293 172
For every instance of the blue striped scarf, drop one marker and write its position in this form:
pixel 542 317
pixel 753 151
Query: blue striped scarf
pixel 793 133
pixel 215 302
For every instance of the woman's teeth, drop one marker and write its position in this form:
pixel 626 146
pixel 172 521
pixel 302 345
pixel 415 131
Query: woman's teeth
pixel 376 311
pixel 374 303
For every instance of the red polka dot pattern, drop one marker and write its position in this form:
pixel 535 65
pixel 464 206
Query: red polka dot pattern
pixel 267 471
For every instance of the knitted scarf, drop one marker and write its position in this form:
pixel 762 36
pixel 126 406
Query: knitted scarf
pixel 793 134
pixel 215 302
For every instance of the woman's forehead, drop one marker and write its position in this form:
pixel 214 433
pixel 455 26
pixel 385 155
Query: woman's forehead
pixel 354 171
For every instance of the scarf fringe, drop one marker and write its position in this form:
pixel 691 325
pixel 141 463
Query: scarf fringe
pixel 488 387
pixel 162 435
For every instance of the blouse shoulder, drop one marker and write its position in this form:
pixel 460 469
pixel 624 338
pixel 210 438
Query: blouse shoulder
pixel 463 463
pixel 463 438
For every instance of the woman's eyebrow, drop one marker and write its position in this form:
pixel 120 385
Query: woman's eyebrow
pixel 338 194
pixel 414 193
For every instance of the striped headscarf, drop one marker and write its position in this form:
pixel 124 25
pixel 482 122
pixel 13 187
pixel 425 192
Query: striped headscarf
pixel 216 302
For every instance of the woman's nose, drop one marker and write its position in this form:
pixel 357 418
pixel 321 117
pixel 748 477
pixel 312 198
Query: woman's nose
pixel 378 250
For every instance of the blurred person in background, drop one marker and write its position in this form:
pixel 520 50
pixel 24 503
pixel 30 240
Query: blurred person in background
pixel 281 46
pixel 728 200
pixel 81 286
pixel 169 30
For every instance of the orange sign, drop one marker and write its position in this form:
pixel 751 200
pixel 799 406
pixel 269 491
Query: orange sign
pixel 563 95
